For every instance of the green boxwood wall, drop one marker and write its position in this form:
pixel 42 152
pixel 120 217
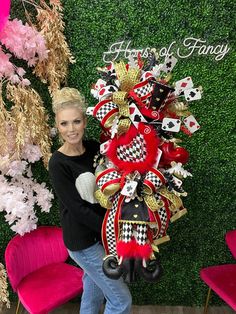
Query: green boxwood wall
pixel 197 239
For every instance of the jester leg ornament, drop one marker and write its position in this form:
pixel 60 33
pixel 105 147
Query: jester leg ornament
pixel 134 252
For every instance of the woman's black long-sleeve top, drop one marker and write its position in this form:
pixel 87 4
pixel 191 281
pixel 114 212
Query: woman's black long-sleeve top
pixel 74 183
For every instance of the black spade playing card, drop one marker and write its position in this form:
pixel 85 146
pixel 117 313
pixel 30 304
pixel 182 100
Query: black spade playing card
pixel 137 118
pixel 172 125
pixel 192 94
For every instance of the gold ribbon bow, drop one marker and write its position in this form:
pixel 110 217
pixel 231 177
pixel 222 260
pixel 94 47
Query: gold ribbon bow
pixel 128 78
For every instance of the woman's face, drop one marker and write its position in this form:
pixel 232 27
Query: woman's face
pixel 71 124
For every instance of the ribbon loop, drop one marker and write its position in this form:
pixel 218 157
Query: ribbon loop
pixel 123 126
pixel 128 78
pixel 102 199
pixel 153 203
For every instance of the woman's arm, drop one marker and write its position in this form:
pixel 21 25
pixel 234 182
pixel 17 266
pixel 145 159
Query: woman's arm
pixel 81 210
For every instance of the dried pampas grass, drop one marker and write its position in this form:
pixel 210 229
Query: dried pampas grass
pixel 30 119
pixel 4 294
pixel 54 69
pixel 5 122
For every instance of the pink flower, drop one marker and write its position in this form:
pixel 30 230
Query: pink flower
pixel 14 79
pixel 6 67
pixel 25 82
pixel 19 197
pixel 20 71
pixel 10 72
pixel 31 153
pixel 24 41
pixel 16 168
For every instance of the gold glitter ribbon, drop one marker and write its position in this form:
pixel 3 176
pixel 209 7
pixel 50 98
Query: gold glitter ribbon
pixel 110 120
pixel 102 199
pixel 161 240
pixel 176 206
pixel 111 189
pixel 153 203
pixel 175 200
pixel 178 214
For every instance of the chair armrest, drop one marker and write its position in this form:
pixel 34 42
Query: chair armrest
pixel 230 239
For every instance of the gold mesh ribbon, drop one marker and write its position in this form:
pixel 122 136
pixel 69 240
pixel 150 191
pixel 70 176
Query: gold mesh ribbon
pixel 120 97
pixel 102 199
pixel 120 69
pixel 153 203
pixel 123 126
pixel 124 111
pixel 127 78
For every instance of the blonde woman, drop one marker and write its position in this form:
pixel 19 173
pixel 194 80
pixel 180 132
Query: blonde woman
pixel 72 174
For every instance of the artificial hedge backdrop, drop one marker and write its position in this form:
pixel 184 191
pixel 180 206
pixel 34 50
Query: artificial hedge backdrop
pixel 197 239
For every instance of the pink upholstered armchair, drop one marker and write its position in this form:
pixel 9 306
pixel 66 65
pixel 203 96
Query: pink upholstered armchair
pixel 37 271
pixel 222 278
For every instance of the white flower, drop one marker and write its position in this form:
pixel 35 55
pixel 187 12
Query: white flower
pixel 177 169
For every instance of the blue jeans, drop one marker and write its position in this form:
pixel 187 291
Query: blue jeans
pixel 97 285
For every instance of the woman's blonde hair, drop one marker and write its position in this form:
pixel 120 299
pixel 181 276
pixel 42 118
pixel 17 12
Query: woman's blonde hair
pixel 68 97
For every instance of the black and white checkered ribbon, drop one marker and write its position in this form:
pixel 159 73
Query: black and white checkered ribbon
pixel 110 227
pixel 154 179
pixel 143 90
pixel 104 110
pixel 164 220
pixel 108 177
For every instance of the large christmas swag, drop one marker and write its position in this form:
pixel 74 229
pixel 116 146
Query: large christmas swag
pixel 139 169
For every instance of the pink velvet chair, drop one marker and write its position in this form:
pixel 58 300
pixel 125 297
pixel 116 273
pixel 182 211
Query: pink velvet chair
pixel 222 278
pixel 230 239
pixel 37 271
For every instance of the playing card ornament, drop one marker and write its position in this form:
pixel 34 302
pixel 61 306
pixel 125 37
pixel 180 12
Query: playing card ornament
pixel 140 170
